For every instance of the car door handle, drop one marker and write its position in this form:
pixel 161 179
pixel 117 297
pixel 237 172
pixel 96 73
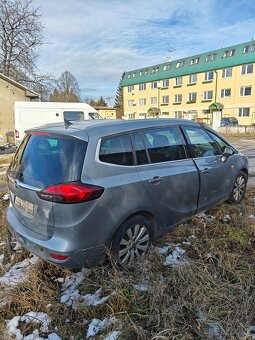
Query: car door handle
pixel 205 171
pixel 155 180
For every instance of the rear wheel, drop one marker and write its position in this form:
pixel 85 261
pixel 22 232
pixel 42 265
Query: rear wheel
pixel 239 188
pixel 132 240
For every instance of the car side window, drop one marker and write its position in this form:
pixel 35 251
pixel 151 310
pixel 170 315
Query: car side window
pixel 140 151
pixel 218 140
pixel 164 144
pixel 202 145
pixel 116 150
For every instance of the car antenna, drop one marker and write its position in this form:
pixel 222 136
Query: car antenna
pixel 67 123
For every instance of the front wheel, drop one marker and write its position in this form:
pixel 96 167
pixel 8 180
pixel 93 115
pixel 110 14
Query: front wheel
pixel 132 240
pixel 239 188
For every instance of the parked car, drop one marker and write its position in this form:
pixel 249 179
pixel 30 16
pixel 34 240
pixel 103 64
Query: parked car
pixel 77 190
pixel 230 121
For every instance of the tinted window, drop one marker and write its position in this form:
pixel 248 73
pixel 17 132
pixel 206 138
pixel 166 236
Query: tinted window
pixel 73 115
pixel 44 160
pixel 141 154
pixel 202 145
pixel 116 150
pixel 164 144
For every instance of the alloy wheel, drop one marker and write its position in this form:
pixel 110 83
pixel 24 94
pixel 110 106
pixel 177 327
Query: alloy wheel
pixel 134 244
pixel 239 188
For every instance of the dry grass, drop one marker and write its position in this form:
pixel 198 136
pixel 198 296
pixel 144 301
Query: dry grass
pixel 5 159
pixel 211 298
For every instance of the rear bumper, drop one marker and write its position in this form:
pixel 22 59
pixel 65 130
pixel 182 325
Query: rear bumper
pixel 79 258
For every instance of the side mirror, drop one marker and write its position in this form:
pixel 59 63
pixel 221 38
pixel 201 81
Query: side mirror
pixel 228 151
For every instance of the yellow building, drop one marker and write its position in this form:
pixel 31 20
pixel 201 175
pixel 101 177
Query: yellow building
pixel 108 112
pixel 11 91
pixel 195 87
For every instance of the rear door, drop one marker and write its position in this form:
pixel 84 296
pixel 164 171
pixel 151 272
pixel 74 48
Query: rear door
pixel 171 180
pixel 40 161
pixel 215 175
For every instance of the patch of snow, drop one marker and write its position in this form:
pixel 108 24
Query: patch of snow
pixel 95 299
pixel 97 325
pixel 207 218
pixel 5 197
pixel 38 318
pixel 18 272
pixel 1 258
pixel 226 218
pixel 2 244
pixel 60 279
pixel 112 335
pixel 192 236
pixel 142 287
pixel 53 336
pixel 174 254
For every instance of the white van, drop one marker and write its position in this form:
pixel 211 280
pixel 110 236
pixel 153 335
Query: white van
pixel 33 114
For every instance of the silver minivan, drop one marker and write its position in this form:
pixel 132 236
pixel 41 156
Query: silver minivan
pixel 78 189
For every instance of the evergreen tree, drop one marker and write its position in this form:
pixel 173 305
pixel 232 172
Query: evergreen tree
pixel 118 102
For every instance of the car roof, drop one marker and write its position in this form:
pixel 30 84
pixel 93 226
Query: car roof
pixel 110 126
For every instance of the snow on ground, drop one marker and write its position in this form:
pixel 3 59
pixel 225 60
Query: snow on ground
pixel 205 217
pixel 112 335
pixel 16 275
pixel 39 319
pixel 72 297
pixel 174 254
pixel 252 332
pixel 97 325
pixel 142 287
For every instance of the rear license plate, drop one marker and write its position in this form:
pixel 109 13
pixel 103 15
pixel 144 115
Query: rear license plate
pixel 24 205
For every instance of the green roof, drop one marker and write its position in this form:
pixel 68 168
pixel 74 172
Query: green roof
pixel 160 71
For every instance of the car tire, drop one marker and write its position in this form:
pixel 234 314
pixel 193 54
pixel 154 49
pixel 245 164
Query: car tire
pixel 239 188
pixel 132 240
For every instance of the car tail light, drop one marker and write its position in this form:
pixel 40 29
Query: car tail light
pixel 16 133
pixel 72 192
pixel 59 257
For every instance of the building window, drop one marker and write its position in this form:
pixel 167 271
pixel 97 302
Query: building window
pixel 210 57
pixel 178 81
pixel 244 112
pixel 192 97
pixel 165 113
pixel 178 98
pixel 245 91
pixel 208 95
pixel 165 99
pixel 166 67
pixel 179 64
pixel 227 72
pixel 130 103
pixel 209 76
pixel 129 75
pixel 194 61
pixel 140 73
pixel 247 69
pixel 229 53
pixel 142 87
pixel 192 78
pixel 142 101
pixel 249 48
pixel 154 100
pixel 155 70
pixel 130 88
pixel 133 75
pixel 145 72
pixel 165 82
pixel 178 114
pixel 225 93
pixel 154 85
pixel 131 116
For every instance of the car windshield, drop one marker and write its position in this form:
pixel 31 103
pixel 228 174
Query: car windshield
pixel 42 160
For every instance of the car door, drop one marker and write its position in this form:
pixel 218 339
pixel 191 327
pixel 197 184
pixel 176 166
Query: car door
pixel 170 179
pixel 215 171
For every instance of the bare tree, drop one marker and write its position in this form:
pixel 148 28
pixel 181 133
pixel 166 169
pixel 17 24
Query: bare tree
pixel 67 89
pixel 20 36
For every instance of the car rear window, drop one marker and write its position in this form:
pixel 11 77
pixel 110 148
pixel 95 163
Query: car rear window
pixel 44 160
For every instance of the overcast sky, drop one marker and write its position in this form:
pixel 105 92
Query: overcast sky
pixel 96 40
